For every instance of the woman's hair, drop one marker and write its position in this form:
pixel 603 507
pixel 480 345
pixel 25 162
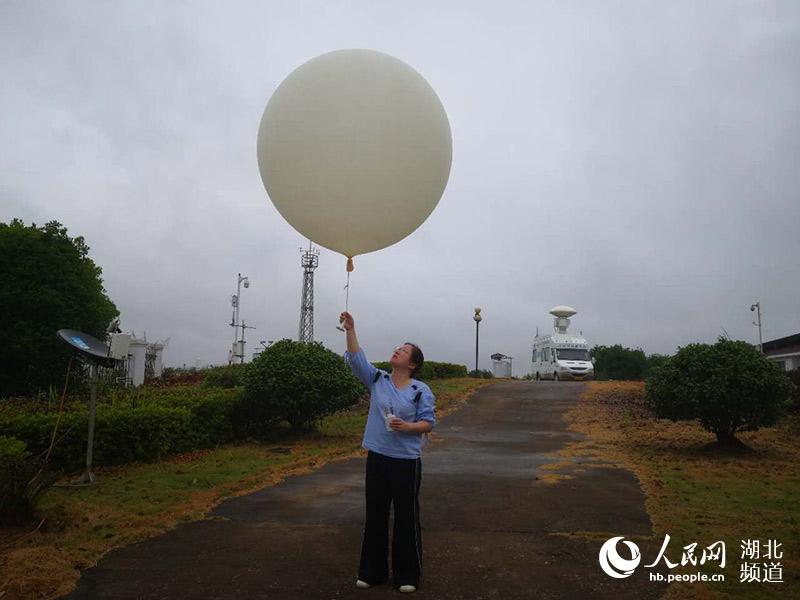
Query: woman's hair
pixel 416 357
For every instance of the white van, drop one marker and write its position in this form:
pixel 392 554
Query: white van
pixel 561 355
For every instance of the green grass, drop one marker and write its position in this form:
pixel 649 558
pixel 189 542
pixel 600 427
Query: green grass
pixel 699 493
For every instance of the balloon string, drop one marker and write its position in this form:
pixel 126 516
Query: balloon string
pixel 347 293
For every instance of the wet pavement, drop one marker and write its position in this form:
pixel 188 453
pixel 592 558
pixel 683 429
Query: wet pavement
pixel 490 528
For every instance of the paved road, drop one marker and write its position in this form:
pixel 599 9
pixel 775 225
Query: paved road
pixel 487 523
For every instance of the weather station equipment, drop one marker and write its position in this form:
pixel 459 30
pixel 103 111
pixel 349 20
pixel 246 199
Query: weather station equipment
pixel 237 350
pixel 97 354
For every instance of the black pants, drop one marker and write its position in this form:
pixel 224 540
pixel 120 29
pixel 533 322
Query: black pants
pixel 392 480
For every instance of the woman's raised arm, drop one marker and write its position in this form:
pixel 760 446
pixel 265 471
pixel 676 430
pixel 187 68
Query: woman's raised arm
pixel 361 367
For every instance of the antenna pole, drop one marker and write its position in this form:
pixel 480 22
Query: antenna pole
pixel 757 307
pixel 309 261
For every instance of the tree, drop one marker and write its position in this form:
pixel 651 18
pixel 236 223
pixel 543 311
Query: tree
pixel 47 282
pixel 653 361
pixel 729 386
pixel 618 362
pixel 299 382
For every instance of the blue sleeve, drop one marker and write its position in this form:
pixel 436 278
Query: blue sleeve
pixel 427 407
pixel 361 367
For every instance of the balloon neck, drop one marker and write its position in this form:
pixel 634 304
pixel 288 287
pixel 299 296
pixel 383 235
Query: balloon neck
pixel 349 264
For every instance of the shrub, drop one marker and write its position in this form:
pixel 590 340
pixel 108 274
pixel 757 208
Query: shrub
pixel 729 386
pixel 794 377
pixel 619 363
pixel 482 374
pixel 171 376
pixel 227 376
pixel 138 426
pixel 21 481
pixel 300 382
pixel 653 361
pixel 431 369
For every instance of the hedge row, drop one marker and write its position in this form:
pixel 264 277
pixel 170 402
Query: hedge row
pixel 148 424
pixel 431 370
pixel 150 430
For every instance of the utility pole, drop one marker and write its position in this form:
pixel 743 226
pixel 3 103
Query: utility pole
pixel 757 309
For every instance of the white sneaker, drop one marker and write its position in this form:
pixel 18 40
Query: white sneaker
pixel 408 588
pixel 362 584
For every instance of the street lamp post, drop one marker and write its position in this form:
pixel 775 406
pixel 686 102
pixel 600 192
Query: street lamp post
pixel 477 317
pixel 757 309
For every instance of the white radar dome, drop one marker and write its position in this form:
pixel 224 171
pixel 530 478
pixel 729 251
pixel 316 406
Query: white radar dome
pixel 563 311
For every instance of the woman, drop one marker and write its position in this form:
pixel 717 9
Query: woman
pixel 401 412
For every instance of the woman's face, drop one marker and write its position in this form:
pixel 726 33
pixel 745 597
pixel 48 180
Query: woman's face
pixel 401 357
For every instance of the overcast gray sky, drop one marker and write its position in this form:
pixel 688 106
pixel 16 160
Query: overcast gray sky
pixel 637 161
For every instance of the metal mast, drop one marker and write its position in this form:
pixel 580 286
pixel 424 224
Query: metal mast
pixel 309 261
pixel 237 350
pixel 757 309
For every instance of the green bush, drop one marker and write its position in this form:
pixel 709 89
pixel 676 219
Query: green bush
pixel 482 374
pixel 729 386
pixel 227 376
pixel 21 481
pixel 619 363
pixel 794 377
pixel 13 447
pixel 134 427
pixel 299 382
pixel 653 361
pixel 624 364
pixel 15 472
pixel 431 369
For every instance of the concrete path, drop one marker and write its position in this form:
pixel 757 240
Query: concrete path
pixel 490 529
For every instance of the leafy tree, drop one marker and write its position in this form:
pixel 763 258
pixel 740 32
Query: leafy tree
pixel 653 361
pixel 299 382
pixel 729 386
pixel 618 362
pixel 47 282
pixel 225 376
pixel 794 377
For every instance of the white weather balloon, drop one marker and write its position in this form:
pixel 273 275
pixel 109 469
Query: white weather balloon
pixel 354 150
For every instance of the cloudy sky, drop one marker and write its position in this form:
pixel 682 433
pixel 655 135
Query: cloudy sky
pixel 638 161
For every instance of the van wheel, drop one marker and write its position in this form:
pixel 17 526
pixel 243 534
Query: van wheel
pixel 555 376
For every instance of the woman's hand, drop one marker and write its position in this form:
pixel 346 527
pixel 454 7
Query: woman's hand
pixel 398 424
pixel 346 319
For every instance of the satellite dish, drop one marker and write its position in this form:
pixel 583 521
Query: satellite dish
pixel 88 347
pixel 99 355
pixel 563 311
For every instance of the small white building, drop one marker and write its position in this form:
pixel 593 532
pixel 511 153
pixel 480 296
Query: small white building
pixel 501 365
pixel 785 351
pixel 145 360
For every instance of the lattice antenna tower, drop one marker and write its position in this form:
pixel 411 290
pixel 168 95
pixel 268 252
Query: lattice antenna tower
pixel 309 261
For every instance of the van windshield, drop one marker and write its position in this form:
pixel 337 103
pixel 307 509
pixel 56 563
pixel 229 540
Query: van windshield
pixel 573 354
